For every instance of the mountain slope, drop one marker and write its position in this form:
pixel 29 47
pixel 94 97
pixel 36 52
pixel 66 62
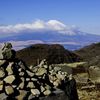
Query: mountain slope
pixel 54 54
pixel 70 42
pixel 90 53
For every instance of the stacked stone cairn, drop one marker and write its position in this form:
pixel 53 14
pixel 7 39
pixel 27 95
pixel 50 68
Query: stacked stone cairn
pixel 18 82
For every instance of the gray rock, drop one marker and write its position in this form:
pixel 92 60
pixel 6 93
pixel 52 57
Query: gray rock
pixel 9 90
pixel 27 79
pixel 41 71
pixel 6 51
pixel 2 62
pixel 21 73
pixel 2 73
pixel 31 97
pixel 57 69
pixel 1 87
pixel 43 62
pixel 22 95
pixel 9 79
pixel 47 92
pixel 31 85
pixel 30 73
pixel 21 85
pixel 3 96
pixel 9 68
pixel 33 79
pixel 35 92
pixel 42 88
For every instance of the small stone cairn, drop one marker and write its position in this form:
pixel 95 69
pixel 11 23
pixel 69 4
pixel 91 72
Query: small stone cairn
pixel 19 82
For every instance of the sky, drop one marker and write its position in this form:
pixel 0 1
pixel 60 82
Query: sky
pixel 84 14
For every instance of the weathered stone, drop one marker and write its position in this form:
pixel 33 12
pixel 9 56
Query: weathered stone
pixel 7 51
pixel 22 95
pixel 47 87
pixel 41 71
pixel 1 87
pixel 45 66
pixel 9 90
pixel 60 76
pixel 1 56
pixel 47 92
pixel 27 79
pixel 94 73
pixel 3 96
pixel 31 97
pixel 9 79
pixel 43 62
pixel 31 85
pixel 19 69
pixel 35 92
pixel 9 68
pixel 57 69
pixel 14 86
pixel 33 79
pixel 2 62
pixel 30 73
pixel 21 64
pixel 42 88
pixel 21 85
pixel 56 83
pixel 1 82
pixel 2 73
pixel 21 73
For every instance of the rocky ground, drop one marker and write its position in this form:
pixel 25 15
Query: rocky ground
pixel 18 82
pixel 46 82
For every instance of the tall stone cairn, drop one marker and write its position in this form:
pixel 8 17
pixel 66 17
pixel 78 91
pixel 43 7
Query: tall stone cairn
pixel 41 82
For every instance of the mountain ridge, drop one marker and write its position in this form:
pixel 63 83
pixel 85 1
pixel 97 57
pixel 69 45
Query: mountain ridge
pixel 54 54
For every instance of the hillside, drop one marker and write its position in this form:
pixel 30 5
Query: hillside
pixel 90 53
pixel 54 54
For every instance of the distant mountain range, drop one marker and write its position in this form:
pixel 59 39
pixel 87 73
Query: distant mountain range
pixel 50 32
pixel 71 42
pixel 54 54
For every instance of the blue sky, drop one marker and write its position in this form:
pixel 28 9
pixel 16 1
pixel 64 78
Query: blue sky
pixel 84 14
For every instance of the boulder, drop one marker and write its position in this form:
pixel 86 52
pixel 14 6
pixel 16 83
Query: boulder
pixel 31 85
pixel 2 62
pixel 47 92
pixel 9 90
pixel 3 96
pixel 2 73
pixel 1 87
pixel 35 92
pixel 22 95
pixel 9 79
pixel 9 68
pixel 41 71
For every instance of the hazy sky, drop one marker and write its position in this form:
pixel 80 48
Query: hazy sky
pixel 84 14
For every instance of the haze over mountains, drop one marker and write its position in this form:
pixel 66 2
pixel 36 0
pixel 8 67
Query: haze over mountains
pixel 50 32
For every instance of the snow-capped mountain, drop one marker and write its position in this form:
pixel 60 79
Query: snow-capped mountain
pixel 50 32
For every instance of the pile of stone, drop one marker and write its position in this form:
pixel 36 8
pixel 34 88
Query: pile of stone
pixel 19 82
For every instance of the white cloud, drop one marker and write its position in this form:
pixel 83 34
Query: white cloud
pixel 38 25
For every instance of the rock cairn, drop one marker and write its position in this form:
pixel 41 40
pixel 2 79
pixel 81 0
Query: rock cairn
pixel 18 82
